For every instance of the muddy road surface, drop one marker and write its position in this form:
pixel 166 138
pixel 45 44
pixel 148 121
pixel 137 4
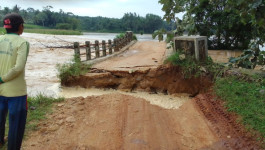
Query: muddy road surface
pixel 120 121
pixel 158 118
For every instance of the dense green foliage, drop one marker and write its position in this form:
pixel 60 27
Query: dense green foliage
pixel 68 21
pixel 246 99
pixel 228 24
pixel 73 68
pixel 129 22
pixel 248 59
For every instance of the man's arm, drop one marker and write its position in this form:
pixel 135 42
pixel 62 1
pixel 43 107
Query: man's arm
pixel 22 54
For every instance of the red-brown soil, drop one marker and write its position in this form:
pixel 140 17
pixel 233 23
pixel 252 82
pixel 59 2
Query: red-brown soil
pixel 120 121
pixel 166 79
pixel 117 121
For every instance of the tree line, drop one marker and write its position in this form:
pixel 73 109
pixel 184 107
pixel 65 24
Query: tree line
pixel 67 20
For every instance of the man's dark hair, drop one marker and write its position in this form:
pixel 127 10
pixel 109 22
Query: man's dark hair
pixel 12 22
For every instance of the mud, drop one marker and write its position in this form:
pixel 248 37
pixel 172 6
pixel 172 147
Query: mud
pixel 165 101
pixel 225 125
pixel 117 121
pixel 120 121
pixel 164 79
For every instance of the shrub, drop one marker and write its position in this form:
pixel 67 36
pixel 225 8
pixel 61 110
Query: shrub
pixel 191 67
pixel 74 68
pixel 121 35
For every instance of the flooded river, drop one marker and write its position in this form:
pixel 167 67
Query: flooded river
pixel 41 73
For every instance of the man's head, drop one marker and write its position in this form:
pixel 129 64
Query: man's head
pixel 13 23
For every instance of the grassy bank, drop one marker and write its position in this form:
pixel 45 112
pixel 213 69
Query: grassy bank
pixel 32 26
pixel 246 98
pixel 38 107
pixel 53 31
pixel 43 30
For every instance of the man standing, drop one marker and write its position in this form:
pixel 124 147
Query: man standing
pixel 13 92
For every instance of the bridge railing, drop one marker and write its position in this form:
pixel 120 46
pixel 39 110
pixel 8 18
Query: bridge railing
pixel 98 50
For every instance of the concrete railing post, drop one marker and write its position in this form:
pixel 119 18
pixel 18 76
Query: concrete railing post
pixel 116 46
pixel 88 50
pixel 110 47
pixel 77 49
pixel 97 49
pixel 104 48
pixel 127 38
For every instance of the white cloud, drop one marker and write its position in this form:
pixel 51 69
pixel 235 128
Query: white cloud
pixel 105 8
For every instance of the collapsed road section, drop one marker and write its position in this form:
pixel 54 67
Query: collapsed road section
pixel 164 79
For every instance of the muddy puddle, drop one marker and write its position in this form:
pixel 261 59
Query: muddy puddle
pixel 165 101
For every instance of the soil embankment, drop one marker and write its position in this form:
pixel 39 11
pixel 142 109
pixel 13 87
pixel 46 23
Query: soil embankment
pixel 164 79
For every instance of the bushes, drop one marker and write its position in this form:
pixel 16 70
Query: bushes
pixel 74 68
pixel 191 67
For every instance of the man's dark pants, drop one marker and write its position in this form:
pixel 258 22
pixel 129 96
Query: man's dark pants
pixel 17 108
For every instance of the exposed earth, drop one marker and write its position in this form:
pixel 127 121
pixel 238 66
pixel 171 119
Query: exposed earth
pixel 154 107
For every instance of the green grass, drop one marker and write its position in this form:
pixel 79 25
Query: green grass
pixel 74 68
pixel 43 30
pixel 53 31
pixel 245 98
pixel 191 67
pixel 32 26
pixel 38 107
pixel 2 31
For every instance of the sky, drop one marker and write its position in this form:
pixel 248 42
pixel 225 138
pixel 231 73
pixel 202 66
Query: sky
pixel 92 8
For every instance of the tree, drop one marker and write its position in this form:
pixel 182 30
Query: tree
pixel 211 18
pixel 228 24
pixel 6 10
pixel 16 9
pixel 152 23
pixel 41 18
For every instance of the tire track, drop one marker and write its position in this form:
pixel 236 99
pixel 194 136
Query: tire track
pixel 233 135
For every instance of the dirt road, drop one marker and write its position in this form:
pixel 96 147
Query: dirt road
pixel 127 121
pixel 116 121
pixel 141 56
pixel 119 121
